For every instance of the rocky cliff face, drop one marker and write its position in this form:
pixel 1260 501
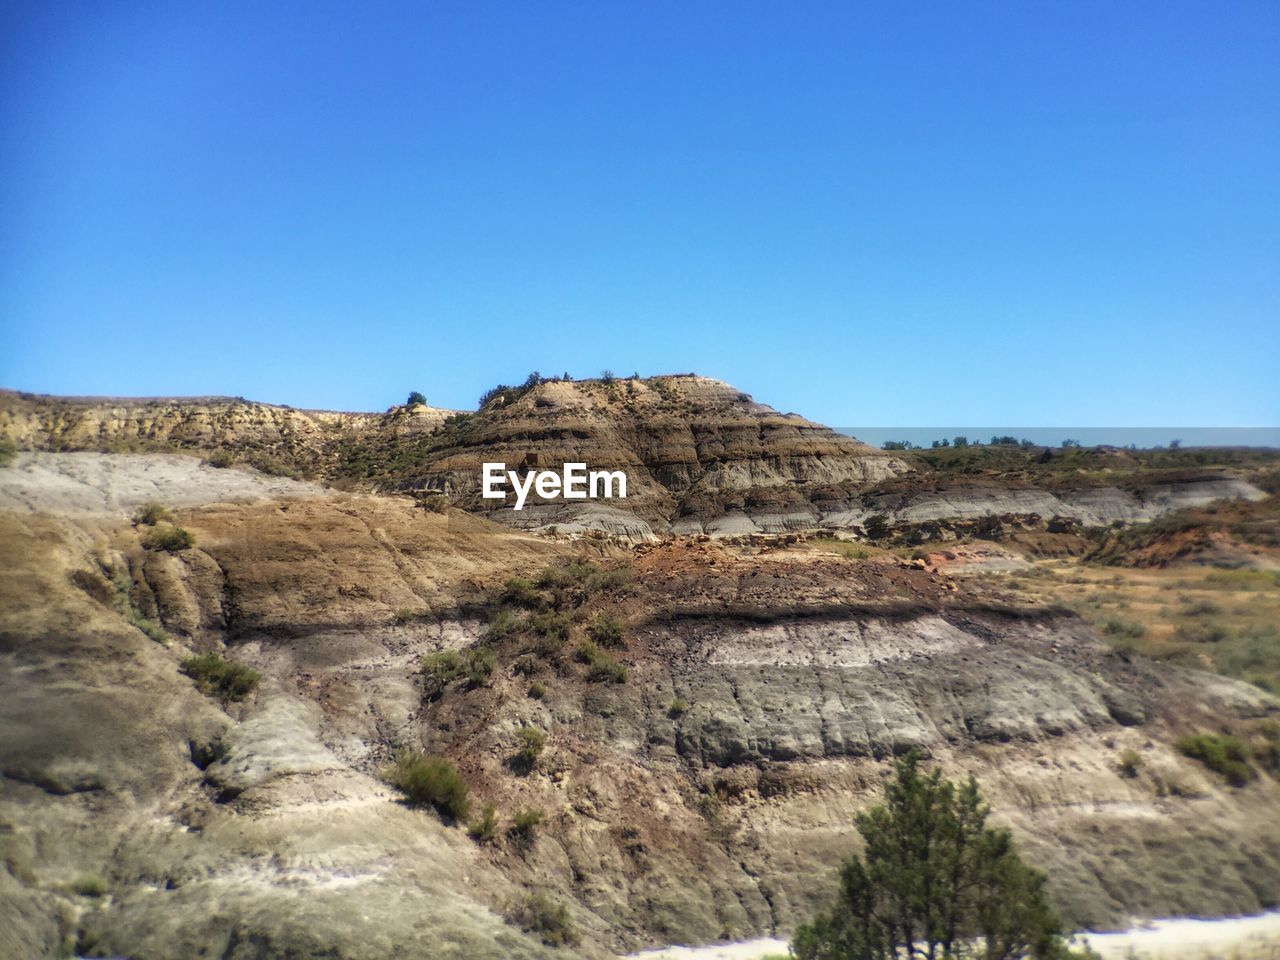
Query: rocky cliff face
pixel 305 440
pixel 693 449
pixel 700 457
pixel 766 692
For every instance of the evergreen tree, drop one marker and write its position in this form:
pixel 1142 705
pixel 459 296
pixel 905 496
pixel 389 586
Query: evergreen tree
pixel 935 883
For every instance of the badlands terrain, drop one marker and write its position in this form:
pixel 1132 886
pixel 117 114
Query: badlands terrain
pixel 674 704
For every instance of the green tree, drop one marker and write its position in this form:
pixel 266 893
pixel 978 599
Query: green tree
pixel 877 526
pixel 415 398
pixel 935 883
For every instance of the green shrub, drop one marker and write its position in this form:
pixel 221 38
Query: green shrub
pixel 518 592
pixel 221 459
pixel 1221 753
pixel 601 666
pixel 152 629
pixel 605 668
pixel 613 578
pixel 216 677
pixel 503 624
pixel 548 919
pixel 524 826
pixel 1130 762
pixel 168 537
pixel 606 630
pixel 1200 608
pixel 152 513
pixel 430 781
pixel 877 527
pixel 8 452
pixel 553 629
pixel 440 669
pixel 1123 629
pixel 1201 633
pixel 415 399
pixel 574 573
pixel 485 828
pixel 537 690
pixel 90 885
pixel 123 601
pixel 677 708
pixel 272 466
pixel 530 743
pixel 478 663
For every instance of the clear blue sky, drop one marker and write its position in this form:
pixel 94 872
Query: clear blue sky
pixel 899 213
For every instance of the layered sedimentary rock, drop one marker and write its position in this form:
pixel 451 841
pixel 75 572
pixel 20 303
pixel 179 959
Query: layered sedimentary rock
pixel 699 456
pixel 309 440
pixel 693 448
pixel 713 791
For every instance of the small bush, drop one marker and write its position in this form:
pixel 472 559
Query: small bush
pixel 519 592
pixel 573 573
pixel 530 743
pixel 216 677
pixel 677 708
pixel 503 625
pixel 1130 762
pixel 548 919
pixel 552 629
pixel 1201 633
pixel 613 578
pixel 1200 608
pixel 479 663
pixel 430 781
pixel 1123 629
pixel 537 690
pixel 524 826
pixel 440 669
pixel 152 513
pixel 168 537
pixel 272 466
pixel 8 452
pixel 601 666
pixel 606 630
pixel 90 885
pixel 221 459
pixel 1221 753
pixel 415 399
pixel 485 828
pixel 152 629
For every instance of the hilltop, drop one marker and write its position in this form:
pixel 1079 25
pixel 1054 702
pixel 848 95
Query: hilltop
pixel 675 709
pixel 700 456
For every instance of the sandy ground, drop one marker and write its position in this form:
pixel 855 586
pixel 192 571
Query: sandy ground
pixel 746 950
pixel 118 483
pixel 1246 938
pixel 1186 939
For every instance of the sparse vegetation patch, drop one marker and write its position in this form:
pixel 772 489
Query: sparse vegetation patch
pixel 430 781
pixel 548 919
pixel 216 677
pixel 1221 753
